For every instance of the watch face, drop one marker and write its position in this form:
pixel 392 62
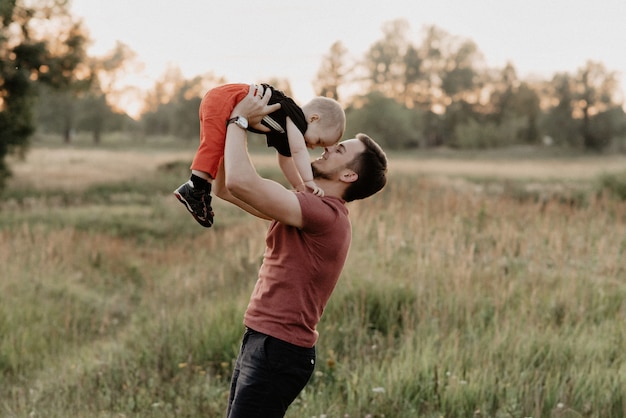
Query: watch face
pixel 242 122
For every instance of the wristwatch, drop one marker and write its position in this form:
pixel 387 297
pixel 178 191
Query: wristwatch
pixel 239 121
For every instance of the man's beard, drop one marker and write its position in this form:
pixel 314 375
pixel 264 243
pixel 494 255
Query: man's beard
pixel 318 174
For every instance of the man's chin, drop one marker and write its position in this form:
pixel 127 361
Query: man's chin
pixel 319 173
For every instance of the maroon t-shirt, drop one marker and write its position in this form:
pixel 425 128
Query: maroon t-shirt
pixel 300 269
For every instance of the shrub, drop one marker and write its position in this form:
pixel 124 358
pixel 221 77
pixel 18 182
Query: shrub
pixel 614 184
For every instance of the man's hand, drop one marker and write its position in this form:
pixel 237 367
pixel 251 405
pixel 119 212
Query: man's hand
pixel 255 105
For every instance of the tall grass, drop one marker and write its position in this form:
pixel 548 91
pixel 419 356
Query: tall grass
pixel 493 307
pixel 456 301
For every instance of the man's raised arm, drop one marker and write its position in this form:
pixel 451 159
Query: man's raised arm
pixel 267 196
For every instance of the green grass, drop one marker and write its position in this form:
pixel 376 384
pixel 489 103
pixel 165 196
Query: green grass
pixel 456 302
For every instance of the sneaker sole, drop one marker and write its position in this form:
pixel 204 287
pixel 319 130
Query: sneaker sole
pixel 204 222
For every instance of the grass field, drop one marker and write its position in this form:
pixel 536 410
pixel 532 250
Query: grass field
pixel 476 286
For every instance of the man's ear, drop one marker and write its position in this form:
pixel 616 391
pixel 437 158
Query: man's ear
pixel 348 176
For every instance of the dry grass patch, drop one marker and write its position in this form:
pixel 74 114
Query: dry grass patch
pixel 534 169
pixel 78 168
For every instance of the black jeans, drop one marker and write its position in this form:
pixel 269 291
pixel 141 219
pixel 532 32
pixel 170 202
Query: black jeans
pixel 269 374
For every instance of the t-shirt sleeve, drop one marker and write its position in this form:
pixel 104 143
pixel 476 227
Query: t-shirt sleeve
pixel 278 141
pixel 295 113
pixel 317 214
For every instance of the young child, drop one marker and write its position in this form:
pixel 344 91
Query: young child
pixel 292 129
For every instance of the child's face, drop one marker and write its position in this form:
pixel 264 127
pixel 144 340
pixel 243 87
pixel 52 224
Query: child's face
pixel 315 136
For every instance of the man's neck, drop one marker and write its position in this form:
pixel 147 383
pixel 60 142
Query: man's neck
pixel 332 188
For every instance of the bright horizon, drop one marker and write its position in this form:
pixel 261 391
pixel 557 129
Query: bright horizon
pixel 244 42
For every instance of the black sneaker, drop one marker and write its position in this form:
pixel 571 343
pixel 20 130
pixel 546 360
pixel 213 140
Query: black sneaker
pixel 197 202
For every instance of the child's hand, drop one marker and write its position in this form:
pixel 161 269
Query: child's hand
pixel 314 188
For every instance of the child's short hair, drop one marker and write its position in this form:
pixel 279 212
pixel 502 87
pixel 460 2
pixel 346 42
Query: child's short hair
pixel 331 113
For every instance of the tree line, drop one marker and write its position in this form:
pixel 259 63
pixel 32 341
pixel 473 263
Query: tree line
pixel 429 92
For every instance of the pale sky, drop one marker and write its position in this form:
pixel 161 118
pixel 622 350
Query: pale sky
pixel 251 41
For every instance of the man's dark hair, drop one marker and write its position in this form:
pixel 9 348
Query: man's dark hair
pixel 371 167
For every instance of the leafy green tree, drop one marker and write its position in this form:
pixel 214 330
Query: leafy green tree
pixel 332 72
pixel 92 114
pixel 384 60
pixel 558 123
pixel 457 113
pixel 172 106
pixel 514 107
pixel 595 94
pixel 584 109
pixel 39 42
pixel 185 122
pixel 526 106
pixel 67 76
pixel 96 110
pixel 384 119
pixel 460 83
pixel 55 111
pixel 440 75
pixel 471 134
pixel 460 73
pixel 502 91
pixel 159 103
pixel 413 95
pixel 434 51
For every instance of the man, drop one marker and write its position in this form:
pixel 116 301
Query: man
pixel 307 245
